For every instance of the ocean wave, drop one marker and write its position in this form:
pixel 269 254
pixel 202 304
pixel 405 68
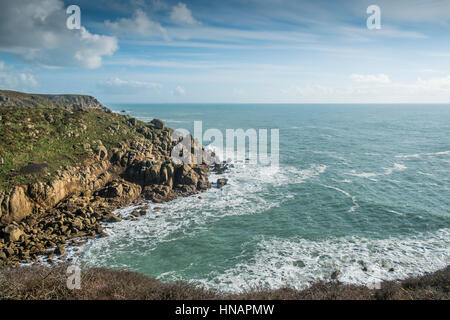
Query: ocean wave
pixel 299 262
pixel 419 155
pixel 396 167
pixel 372 175
pixel 247 193
pixel 348 195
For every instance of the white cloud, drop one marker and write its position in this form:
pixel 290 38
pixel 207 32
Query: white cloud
pixel 11 80
pixel 434 84
pixel 371 78
pixel 179 91
pixel 117 85
pixel 36 31
pixel 433 90
pixel 182 15
pixel 139 24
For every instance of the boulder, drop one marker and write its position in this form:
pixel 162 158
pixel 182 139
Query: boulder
pixel 132 121
pixel 77 223
pixel 101 153
pixel 221 182
pixel 186 175
pixel 60 250
pixel 13 233
pixel 112 218
pixel 159 124
pixel 113 190
pixel 335 274
pixel 19 206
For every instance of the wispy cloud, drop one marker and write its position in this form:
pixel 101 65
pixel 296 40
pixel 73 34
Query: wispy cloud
pixel 140 24
pixel 120 86
pixel 13 80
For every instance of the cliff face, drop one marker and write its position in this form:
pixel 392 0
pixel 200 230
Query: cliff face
pixel 81 164
pixel 67 102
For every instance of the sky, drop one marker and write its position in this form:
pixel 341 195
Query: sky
pixel 230 51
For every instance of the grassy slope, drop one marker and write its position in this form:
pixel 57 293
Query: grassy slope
pixel 53 137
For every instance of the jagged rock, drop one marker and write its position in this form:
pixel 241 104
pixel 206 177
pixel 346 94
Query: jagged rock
pixel 159 124
pixel 60 250
pixel 220 168
pixel 221 182
pixel 13 233
pixel 113 190
pixel 15 206
pixel 112 218
pixel 186 176
pixel 132 121
pixel 335 274
pixel 77 223
pixel 101 153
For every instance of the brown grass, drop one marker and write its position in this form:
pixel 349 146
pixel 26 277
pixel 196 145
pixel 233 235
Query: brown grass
pixel 49 283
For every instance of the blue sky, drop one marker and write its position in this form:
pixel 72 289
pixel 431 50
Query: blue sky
pixel 247 51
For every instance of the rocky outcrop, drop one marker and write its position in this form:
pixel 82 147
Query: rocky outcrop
pixel 40 218
pixel 67 102
pixel 22 201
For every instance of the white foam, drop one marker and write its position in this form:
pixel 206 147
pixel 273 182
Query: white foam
pixel 355 203
pixel 367 175
pixel 419 155
pixel 371 175
pixel 396 167
pixel 441 153
pixel 245 194
pixel 299 262
pixel 408 156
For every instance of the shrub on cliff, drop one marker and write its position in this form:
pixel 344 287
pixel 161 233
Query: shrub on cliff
pixel 44 283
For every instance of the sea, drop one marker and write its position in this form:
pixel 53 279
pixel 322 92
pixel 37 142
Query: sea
pixel 363 189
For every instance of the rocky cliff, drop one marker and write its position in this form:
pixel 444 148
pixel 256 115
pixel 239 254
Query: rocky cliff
pixel 83 163
pixel 68 102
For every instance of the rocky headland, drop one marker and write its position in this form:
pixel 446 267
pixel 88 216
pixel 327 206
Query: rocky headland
pixel 67 162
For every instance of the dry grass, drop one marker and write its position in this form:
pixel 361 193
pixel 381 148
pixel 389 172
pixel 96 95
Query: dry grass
pixel 44 283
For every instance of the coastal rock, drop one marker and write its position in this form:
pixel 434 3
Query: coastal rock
pixel 101 153
pixel 13 233
pixel 335 274
pixel 159 124
pixel 60 250
pixel 221 183
pixel 112 218
pixel 15 206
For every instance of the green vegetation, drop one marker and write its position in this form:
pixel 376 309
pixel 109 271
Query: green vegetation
pixel 36 142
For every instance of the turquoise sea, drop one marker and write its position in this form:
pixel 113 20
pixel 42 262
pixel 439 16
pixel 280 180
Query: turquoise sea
pixel 357 185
